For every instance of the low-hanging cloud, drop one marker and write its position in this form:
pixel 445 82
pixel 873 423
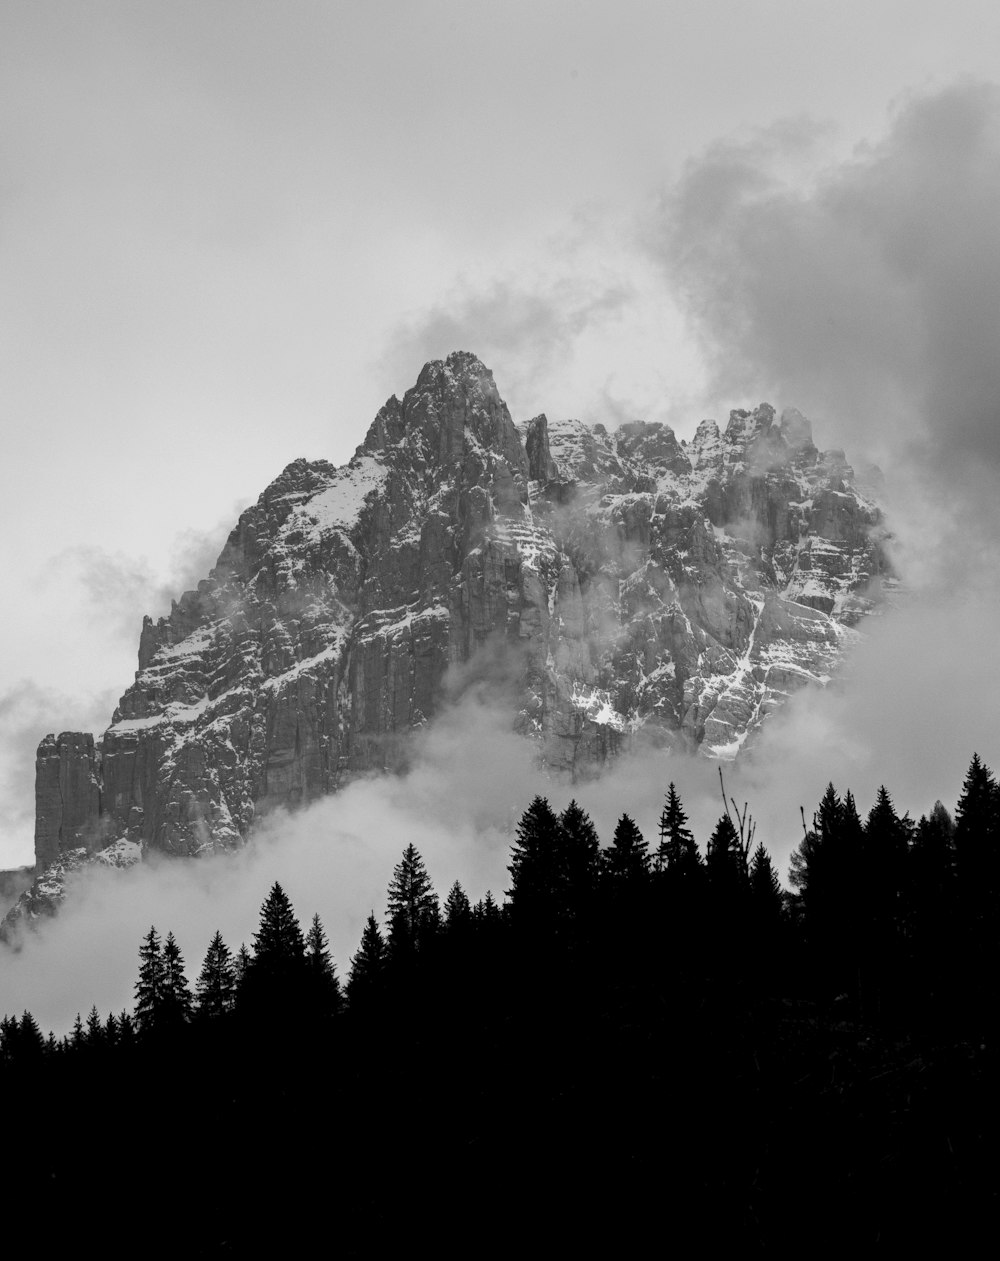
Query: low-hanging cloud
pixel 116 586
pixel 867 296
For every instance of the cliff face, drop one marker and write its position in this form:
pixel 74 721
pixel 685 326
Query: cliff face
pixel 633 588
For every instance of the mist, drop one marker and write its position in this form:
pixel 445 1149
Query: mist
pixel 862 291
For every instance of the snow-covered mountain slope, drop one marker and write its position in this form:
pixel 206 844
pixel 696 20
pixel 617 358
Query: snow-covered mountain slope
pixel 634 589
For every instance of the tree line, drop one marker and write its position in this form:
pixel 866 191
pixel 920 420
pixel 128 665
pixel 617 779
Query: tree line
pixel 887 915
pixel 642 1032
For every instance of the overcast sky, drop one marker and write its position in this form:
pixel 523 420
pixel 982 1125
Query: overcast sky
pixel 228 231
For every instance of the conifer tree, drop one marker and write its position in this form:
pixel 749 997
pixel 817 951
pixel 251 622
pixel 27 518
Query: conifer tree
pixel 176 1001
pixel 457 911
pixel 126 1030
pixel 626 861
pixel 413 913
pixel 534 865
pixel 240 965
pixel 30 1043
pixel 487 915
pixel 977 836
pixel 579 857
pixel 77 1036
pixel 148 988
pixel 366 976
pixel 8 1038
pixel 215 990
pixel 276 972
pixel 723 862
pixel 111 1030
pixel 765 887
pixel 324 985
pixel 677 852
pixel 94 1033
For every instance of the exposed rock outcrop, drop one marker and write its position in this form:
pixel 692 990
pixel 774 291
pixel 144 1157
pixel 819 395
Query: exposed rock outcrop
pixel 637 589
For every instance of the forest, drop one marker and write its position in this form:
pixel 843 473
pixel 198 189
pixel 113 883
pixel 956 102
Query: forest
pixel 648 1037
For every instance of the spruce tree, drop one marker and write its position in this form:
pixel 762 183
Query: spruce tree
pixel 723 862
pixel 8 1038
pixel 276 972
pixel 413 913
pixel 457 911
pixel 579 857
pixel 677 854
pixel 766 896
pixel 94 1033
pixel 977 837
pixel 626 861
pixel 176 1002
pixel 534 865
pixel 30 1042
pixel 324 985
pixel 366 977
pixel 215 991
pixel 149 986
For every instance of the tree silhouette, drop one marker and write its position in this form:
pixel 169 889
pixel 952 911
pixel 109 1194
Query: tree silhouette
pixel 677 854
pixel 215 990
pixel 176 1003
pixel 413 911
pixel 149 986
pixel 324 986
pixel 626 861
pixel 579 858
pixel 534 865
pixel 366 976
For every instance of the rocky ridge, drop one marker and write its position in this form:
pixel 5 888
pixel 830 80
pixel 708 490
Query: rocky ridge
pixel 629 587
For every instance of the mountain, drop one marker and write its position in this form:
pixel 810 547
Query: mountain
pixel 626 588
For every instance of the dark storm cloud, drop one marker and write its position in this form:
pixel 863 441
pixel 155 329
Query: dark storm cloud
pixel 871 297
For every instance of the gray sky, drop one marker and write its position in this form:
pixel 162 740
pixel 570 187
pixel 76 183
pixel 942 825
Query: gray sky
pixel 228 231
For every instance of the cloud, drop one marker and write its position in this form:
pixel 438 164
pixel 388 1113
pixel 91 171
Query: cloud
pixel 119 589
pixel 864 294
pixel 531 329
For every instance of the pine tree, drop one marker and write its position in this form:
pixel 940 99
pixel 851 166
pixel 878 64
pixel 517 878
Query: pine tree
pixel 626 861
pixel 766 896
pixel 77 1037
pixel 241 965
pixel 94 1033
pixel 8 1038
pixel 457 911
pixel 215 990
pixel 977 837
pixel 579 852
pixel 723 863
pixel 534 865
pixel 324 985
pixel 149 986
pixel 111 1030
pixel 30 1043
pixel 677 854
pixel 126 1031
pixel 413 913
pixel 176 1003
pixel 366 977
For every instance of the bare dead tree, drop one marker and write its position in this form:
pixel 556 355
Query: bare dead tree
pixel 744 824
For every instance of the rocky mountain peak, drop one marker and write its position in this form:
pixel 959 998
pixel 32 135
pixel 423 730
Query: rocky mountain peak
pixel 641 592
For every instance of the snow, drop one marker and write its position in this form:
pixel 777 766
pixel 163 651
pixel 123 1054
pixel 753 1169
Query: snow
pixel 340 504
